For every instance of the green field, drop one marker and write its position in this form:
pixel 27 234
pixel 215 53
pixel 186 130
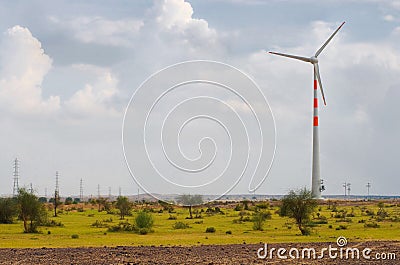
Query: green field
pixel 277 229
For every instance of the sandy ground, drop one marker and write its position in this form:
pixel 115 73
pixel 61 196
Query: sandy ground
pixel 204 254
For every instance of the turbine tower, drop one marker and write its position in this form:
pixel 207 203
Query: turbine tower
pixel 316 175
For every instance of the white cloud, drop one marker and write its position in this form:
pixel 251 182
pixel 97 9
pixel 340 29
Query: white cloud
pixel 100 30
pixel 23 66
pixel 389 18
pixel 96 97
pixel 176 16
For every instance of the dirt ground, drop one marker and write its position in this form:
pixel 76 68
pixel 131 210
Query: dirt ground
pixel 202 254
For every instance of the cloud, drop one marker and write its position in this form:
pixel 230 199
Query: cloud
pixel 99 30
pixel 23 66
pixel 389 18
pixel 176 16
pixel 96 96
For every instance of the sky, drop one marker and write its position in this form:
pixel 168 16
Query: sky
pixel 69 68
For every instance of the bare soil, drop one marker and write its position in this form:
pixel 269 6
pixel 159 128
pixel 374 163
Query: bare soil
pixel 202 254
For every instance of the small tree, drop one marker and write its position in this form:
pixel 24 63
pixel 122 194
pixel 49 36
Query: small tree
pixel 189 201
pixel 56 202
pixel 68 201
pixel 7 210
pixel 299 205
pixel 259 219
pixel 144 222
pixel 31 211
pixel 104 204
pixel 124 206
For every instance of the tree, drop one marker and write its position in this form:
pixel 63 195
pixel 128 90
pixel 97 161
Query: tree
pixel 104 204
pixel 7 210
pixel 124 206
pixel 299 205
pixel 144 222
pixel 189 201
pixel 68 201
pixel 43 199
pixel 31 211
pixel 56 202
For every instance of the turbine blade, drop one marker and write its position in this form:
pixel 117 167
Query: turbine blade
pixel 316 71
pixel 304 59
pixel 328 40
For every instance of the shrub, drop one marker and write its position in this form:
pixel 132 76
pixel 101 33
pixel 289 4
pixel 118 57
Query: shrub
pixel 259 219
pixel 229 232
pixel 370 212
pixel 371 225
pixel 263 205
pixel 52 223
pixel 99 224
pixel 238 208
pixel 180 225
pixel 144 220
pixel 341 227
pixel 210 229
pixel 172 217
pixel 122 226
pixel 144 231
pixel 74 236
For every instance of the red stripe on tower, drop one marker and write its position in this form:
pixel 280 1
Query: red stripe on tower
pixel 315 120
pixel 315 84
pixel 315 102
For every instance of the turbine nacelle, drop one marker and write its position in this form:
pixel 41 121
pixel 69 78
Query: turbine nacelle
pixel 313 60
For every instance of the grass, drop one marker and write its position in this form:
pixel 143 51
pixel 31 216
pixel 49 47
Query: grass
pixel 277 229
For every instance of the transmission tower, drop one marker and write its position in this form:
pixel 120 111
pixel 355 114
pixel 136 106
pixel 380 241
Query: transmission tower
pixel 57 191
pixel 56 196
pixel 98 190
pixel 31 188
pixel 348 189
pixel 81 190
pixel 368 187
pixel 119 191
pixel 16 177
pixel 109 193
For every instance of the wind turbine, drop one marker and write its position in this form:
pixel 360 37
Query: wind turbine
pixel 316 177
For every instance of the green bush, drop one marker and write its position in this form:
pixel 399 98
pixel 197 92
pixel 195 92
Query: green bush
pixel 259 219
pixel 144 231
pixel 74 236
pixel 180 225
pixel 371 225
pixel 172 217
pixel 229 232
pixel 210 229
pixel 144 220
pixel 122 226
pixel 99 224
pixel 52 223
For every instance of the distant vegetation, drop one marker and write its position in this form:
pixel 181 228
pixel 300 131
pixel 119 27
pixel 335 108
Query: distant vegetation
pixel 105 222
